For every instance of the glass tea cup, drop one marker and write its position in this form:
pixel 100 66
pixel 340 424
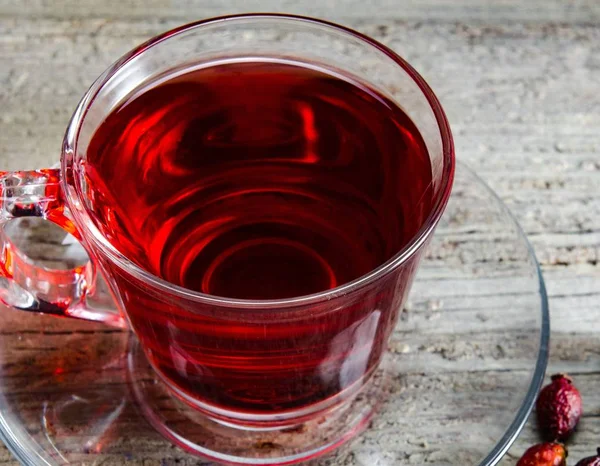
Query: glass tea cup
pixel 246 365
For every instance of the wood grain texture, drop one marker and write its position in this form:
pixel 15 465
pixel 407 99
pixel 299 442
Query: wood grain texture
pixel 571 11
pixel 519 82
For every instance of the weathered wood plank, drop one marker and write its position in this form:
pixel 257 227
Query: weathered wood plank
pixel 582 11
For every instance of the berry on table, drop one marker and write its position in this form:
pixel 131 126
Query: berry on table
pixel 590 460
pixel 558 408
pixel 544 454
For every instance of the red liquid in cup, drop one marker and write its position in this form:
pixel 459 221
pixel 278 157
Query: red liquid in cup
pixel 259 180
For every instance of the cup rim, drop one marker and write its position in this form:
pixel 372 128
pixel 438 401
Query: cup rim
pixel 408 251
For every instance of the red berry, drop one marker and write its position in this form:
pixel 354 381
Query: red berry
pixel 544 454
pixel 558 408
pixel 590 460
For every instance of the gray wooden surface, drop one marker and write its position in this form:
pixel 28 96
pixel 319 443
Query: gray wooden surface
pixel 520 82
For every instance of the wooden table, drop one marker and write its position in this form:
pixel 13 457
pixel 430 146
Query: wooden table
pixel 520 82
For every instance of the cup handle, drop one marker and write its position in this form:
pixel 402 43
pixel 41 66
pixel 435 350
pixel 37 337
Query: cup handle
pixel 30 287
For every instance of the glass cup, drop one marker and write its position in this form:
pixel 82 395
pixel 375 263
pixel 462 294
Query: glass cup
pixel 246 364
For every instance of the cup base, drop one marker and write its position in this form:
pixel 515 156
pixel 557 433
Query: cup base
pixel 210 438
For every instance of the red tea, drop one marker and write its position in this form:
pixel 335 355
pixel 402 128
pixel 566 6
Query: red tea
pixel 258 180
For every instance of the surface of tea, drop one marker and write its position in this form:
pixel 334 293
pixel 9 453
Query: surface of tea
pixel 258 180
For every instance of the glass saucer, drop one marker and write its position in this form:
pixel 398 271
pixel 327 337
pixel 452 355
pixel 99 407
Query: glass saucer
pixel 464 364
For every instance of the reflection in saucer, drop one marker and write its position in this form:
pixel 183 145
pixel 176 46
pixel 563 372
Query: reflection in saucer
pixel 74 417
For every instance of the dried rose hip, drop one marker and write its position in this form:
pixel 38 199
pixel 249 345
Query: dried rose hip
pixel 590 460
pixel 558 408
pixel 544 454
